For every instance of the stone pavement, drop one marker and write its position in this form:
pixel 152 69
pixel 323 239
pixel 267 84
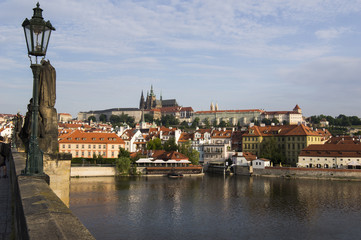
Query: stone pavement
pixel 5 208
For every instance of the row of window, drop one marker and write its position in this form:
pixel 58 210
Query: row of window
pixel 90 154
pixel 83 146
pixel 333 159
pixel 282 139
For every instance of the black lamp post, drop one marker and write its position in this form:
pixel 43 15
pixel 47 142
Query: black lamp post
pixel 37 35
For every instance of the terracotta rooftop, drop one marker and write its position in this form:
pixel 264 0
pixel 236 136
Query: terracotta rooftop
pixel 89 137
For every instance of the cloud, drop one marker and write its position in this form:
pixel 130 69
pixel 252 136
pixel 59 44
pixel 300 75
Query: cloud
pixel 331 33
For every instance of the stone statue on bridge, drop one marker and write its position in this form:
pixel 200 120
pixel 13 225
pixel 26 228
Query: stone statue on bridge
pixel 48 117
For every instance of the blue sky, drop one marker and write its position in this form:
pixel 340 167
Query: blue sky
pixel 241 54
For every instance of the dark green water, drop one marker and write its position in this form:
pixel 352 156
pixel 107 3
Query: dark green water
pixel 217 207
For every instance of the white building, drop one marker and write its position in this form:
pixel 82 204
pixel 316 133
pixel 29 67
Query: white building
pixel 291 117
pixel 261 163
pixel 330 156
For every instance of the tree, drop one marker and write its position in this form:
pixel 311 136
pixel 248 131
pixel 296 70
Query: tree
pixel 103 118
pixel 92 119
pixel 206 122
pixel 123 153
pixel 155 144
pixel 170 145
pixel 184 125
pixel 195 122
pixel 274 120
pixel 123 165
pixel 223 124
pixel 266 121
pixel 169 120
pixel 192 154
pixel 114 120
pixel 270 150
pixel 148 118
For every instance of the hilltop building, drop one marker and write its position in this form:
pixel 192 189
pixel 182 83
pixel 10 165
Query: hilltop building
pixel 131 112
pixel 64 117
pixel 151 102
pixel 289 117
pixel 234 117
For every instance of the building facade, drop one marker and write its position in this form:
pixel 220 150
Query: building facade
pixel 289 117
pixel 233 117
pixel 131 112
pixel 88 144
pixel 290 139
pixel 331 156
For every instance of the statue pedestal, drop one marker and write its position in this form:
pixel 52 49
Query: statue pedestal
pixel 57 167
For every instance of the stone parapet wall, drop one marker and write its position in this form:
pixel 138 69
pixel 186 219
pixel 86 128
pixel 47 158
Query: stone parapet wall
pixel 38 212
pixel 57 167
pixel 242 170
pixel 309 172
pixel 92 171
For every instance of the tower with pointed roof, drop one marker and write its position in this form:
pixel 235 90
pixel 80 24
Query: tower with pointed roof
pixel 297 109
pixel 151 101
pixel 212 106
pixel 142 102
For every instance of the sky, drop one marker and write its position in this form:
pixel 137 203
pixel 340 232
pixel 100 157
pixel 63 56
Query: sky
pixel 240 54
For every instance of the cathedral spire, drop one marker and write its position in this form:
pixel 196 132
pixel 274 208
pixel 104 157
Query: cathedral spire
pixel 151 90
pixel 142 103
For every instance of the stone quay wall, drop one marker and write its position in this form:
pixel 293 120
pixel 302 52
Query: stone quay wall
pixel 92 171
pixel 38 212
pixel 309 173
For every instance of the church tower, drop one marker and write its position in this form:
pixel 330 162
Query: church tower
pixel 297 109
pixel 212 106
pixel 142 102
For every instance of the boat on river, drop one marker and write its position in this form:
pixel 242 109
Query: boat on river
pixel 175 175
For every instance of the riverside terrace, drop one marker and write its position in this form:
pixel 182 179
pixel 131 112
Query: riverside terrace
pixel 36 212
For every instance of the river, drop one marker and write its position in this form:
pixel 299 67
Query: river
pixel 217 207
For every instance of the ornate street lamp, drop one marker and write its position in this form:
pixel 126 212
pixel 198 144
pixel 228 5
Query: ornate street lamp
pixel 37 35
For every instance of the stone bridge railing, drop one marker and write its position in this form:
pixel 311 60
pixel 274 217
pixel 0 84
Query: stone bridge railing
pixel 38 213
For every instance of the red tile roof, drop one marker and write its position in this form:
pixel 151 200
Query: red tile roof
pixel 89 137
pixel 332 150
pixel 282 130
pixel 161 154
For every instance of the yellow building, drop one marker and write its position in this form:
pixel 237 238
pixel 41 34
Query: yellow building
pixel 290 139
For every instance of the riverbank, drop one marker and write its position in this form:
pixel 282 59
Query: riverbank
pixel 97 171
pixel 309 173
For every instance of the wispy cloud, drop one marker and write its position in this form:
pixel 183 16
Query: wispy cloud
pixel 331 33
pixel 247 44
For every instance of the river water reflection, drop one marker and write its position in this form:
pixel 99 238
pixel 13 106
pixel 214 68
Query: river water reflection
pixel 217 207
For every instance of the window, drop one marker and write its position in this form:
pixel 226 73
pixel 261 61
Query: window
pixel 104 146
pixel 76 153
pixel 112 146
pixel 63 145
pixel 94 146
pixel 82 153
pixel 100 146
pixel 77 146
pixel 69 146
pixel 89 154
pixel 89 146
pixel 82 146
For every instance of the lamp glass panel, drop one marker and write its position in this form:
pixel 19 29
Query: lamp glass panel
pixel 46 39
pixel 37 36
pixel 28 39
